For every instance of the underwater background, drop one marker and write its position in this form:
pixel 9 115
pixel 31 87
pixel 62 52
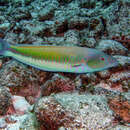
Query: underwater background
pixel 31 99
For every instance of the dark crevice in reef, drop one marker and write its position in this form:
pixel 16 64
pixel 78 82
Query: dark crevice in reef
pixel 48 16
pixel 62 28
pixel 93 23
pixel 63 2
pixel 45 33
pixel 78 25
pixel 104 22
pixel 88 5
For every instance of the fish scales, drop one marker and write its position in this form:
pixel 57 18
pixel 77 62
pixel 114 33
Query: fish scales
pixel 49 53
pixel 59 58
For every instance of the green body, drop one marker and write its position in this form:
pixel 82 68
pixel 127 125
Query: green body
pixel 61 59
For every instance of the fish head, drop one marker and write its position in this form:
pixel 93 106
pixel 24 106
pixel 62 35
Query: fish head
pixel 100 61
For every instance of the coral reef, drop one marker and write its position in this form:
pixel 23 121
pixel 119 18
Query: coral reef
pixel 15 122
pixel 121 109
pixel 112 47
pixel 5 100
pixel 122 39
pixel 96 101
pixel 57 84
pixel 73 111
pixel 23 81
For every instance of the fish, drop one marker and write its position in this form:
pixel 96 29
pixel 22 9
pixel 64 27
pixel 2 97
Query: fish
pixel 71 59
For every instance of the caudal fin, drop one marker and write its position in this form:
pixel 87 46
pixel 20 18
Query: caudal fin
pixel 3 46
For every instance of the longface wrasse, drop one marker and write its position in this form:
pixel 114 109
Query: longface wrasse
pixel 59 58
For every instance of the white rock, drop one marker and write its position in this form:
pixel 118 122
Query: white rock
pixel 112 45
pixel 20 104
pixel 4 26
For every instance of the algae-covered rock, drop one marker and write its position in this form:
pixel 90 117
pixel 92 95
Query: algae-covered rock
pixel 72 37
pixel 120 127
pixel 74 111
pixel 89 42
pixel 5 100
pixel 112 47
pixel 57 84
pixel 19 122
pixel 20 105
pixel 123 60
pixel 15 74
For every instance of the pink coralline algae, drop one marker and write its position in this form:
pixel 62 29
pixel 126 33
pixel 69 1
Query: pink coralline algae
pixel 58 85
pixel 121 109
pixel 112 80
pixel 73 111
pixel 31 92
pixel 60 116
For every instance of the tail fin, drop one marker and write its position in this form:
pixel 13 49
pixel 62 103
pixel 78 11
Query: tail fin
pixel 3 46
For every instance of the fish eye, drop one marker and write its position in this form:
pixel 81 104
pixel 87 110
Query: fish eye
pixel 102 58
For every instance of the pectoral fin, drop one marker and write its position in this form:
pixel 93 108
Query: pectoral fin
pixel 76 65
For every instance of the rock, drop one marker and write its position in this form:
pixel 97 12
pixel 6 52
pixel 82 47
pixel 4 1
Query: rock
pixel 22 14
pixel 117 20
pixel 123 60
pixel 21 106
pixel 89 42
pixel 61 27
pixel 108 1
pixel 89 4
pixel 11 38
pixel 5 100
pixel 46 14
pixel 72 37
pixel 110 88
pixel 57 84
pixel 15 122
pixel 4 2
pixel 56 41
pixel 111 47
pixel 104 74
pixel 126 95
pixel 116 77
pixel 67 22
pixel 121 108
pixel 120 127
pixel 4 26
pixel 3 123
pixel 15 74
pixel 64 1
pixel 105 89
pixel 47 10
pixel 23 81
pixel 34 29
pixel 94 24
pixel 74 111
pixel 78 23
